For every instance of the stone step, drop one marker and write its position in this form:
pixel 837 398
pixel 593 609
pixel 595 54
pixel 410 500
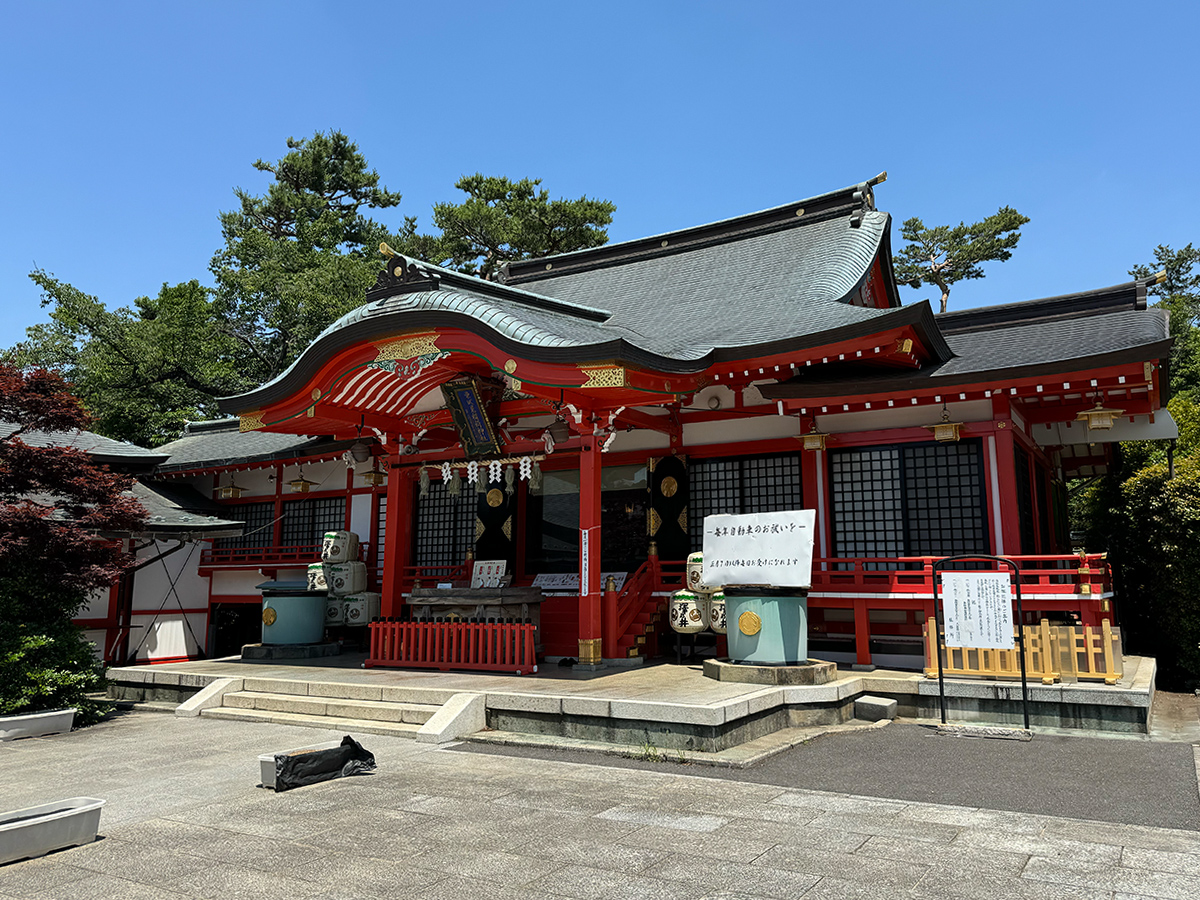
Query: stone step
pixel 331 690
pixel 370 710
pixel 329 723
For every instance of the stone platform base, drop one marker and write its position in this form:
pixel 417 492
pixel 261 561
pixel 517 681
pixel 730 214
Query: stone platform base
pixel 290 651
pixel 814 671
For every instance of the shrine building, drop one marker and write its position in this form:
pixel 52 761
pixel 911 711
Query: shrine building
pixel 583 413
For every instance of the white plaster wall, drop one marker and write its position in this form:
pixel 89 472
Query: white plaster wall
pixel 96 606
pixel 236 582
pixel 255 483
pixel 749 429
pixel 902 415
pixel 640 440
pixel 360 517
pixel 329 476
pixel 165 636
pixel 97 636
pixel 151 584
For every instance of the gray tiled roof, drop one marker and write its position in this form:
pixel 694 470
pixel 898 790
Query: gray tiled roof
pixel 100 448
pixel 1041 343
pixel 220 443
pixel 180 509
pixel 1020 348
pixel 758 288
pixel 777 280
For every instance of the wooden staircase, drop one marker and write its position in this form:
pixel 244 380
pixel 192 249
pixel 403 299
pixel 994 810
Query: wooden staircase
pixel 641 607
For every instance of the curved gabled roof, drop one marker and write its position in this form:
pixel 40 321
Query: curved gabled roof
pixel 736 293
pixel 757 285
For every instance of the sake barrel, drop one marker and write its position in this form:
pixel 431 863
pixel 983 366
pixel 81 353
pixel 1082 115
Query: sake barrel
pixel 339 546
pixel 695 571
pixel 335 611
pixel 362 608
pixel 346 578
pixel 317 577
pixel 686 613
pixel 716 612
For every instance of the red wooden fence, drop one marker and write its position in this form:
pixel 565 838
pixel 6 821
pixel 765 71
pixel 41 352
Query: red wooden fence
pixel 480 646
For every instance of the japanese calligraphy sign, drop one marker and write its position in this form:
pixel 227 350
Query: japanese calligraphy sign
pixel 977 607
pixel 487 573
pixel 773 549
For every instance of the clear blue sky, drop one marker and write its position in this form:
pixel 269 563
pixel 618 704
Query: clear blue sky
pixel 127 125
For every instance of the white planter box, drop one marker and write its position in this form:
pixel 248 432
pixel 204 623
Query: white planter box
pixel 53 721
pixel 26 833
pixel 266 762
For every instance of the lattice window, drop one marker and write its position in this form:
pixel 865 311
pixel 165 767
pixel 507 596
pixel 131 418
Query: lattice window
pixel 258 531
pixel 741 485
pixel 944 499
pixel 379 541
pixel 868 510
pixel 908 500
pixel 306 521
pixel 445 526
pixel 771 484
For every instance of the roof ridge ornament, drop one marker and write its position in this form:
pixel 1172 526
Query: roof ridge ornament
pixel 865 197
pixel 401 269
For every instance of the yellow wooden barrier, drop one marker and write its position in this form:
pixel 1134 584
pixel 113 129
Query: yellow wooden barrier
pixel 1051 651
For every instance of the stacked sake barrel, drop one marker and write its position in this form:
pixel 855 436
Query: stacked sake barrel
pixel 697 607
pixel 345 578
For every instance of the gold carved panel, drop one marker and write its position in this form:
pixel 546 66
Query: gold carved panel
pixel 654 521
pixel 408 347
pixel 251 421
pixel 603 376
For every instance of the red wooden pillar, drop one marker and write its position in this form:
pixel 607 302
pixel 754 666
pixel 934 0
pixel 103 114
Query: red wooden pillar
pixel 862 632
pixel 590 588
pixel 277 529
pixel 396 533
pixel 1002 481
pixel 812 465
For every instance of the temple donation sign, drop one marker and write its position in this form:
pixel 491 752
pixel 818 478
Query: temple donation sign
pixel 773 549
pixel 977 608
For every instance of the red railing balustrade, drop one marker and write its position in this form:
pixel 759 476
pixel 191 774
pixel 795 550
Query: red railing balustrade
pixel 474 645
pixel 254 557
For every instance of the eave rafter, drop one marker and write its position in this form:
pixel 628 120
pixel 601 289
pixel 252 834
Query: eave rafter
pixel 1038 399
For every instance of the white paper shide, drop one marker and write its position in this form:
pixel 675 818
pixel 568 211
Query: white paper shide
pixel 772 549
pixel 977 608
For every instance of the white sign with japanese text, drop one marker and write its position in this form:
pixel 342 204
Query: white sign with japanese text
pixel 773 549
pixel 569 581
pixel 487 573
pixel 977 610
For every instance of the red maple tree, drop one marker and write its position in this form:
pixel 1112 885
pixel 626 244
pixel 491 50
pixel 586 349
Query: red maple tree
pixel 60 516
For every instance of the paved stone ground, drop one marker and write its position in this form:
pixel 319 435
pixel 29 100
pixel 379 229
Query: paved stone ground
pixel 185 820
pixel 1123 780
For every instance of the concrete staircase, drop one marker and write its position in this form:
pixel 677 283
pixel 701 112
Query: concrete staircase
pixel 332 705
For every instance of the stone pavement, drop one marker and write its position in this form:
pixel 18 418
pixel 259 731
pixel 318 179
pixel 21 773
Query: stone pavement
pixel 185 820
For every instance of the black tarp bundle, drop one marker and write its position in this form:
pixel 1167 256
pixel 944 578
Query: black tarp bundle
pixel 298 769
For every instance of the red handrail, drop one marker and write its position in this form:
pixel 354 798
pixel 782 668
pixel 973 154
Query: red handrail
pixel 474 645
pixel 254 556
